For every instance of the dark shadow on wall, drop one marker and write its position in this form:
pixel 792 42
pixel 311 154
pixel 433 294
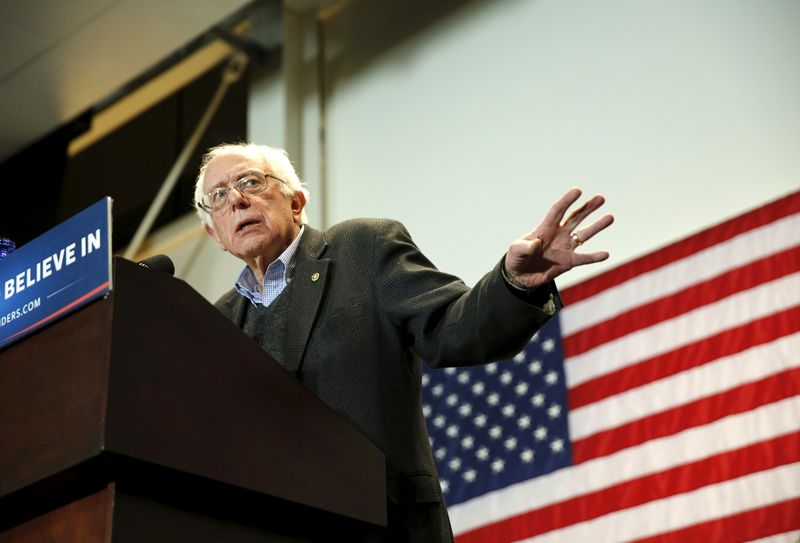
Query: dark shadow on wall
pixel 31 185
pixel 358 34
pixel 43 187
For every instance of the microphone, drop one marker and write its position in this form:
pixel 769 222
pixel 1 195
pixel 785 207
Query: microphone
pixel 159 263
pixel 6 247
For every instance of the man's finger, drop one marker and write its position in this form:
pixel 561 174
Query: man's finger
pixel 585 234
pixel 589 207
pixel 558 209
pixel 581 259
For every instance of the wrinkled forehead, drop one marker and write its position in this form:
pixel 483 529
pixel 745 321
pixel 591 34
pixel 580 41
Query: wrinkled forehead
pixel 230 167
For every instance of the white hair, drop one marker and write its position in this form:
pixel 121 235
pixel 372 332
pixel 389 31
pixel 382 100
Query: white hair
pixel 275 160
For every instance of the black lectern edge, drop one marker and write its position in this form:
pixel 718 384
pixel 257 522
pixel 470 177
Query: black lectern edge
pixel 173 488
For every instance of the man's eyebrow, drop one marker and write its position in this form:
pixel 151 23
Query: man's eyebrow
pixel 249 171
pixel 224 181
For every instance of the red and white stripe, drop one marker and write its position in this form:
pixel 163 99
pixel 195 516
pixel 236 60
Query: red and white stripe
pixel 683 369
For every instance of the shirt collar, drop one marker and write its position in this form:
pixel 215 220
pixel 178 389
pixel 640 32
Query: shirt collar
pixel 280 270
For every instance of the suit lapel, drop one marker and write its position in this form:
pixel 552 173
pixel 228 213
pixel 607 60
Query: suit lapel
pixel 234 306
pixel 240 310
pixel 309 282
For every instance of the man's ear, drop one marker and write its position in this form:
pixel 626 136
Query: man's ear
pixel 298 203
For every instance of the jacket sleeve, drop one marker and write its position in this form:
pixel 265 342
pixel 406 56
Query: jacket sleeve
pixel 445 322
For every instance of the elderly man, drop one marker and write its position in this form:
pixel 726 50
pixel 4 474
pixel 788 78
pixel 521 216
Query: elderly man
pixel 352 310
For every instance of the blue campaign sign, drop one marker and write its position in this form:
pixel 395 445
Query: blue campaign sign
pixel 56 273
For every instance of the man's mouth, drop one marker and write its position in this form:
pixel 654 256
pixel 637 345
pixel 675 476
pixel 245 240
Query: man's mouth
pixel 246 225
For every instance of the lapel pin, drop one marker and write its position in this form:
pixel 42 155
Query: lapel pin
pixel 314 276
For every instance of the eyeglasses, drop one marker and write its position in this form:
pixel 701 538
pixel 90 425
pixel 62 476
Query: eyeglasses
pixel 254 183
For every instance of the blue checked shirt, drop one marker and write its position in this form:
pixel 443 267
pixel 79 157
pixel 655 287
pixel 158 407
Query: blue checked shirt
pixel 277 276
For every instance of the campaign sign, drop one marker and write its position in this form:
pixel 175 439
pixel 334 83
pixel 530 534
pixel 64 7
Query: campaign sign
pixel 56 273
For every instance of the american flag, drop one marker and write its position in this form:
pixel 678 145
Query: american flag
pixel 663 404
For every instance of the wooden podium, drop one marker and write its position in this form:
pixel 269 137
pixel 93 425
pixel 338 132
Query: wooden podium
pixel 148 416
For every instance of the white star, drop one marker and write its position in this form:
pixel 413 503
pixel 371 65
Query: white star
pixel 450 371
pixel 554 411
pixel 430 440
pixel 498 465
pixel 463 377
pixel 445 486
pixel 454 464
pixel 557 445
pixel 508 410
pixel 452 399
pixel 540 433
pixel 524 422
pixel 521 388
pixel 469 475
pixel 464 409
pixel 551 377
pixel 425 379
pixel 519 357
pixel 493 398
pixel 452 430
pixel 478 388
pixel 491 368
pixel 548 345
pixel 468 442
pixel 506 377
pixel 535 367
pixel 495 432
pixel 437 390
pixel 439 421
pixel 440 453
pixel 426 410
pixel 480 420
pixel 526 456
pixel 482 453
pixel 510 443
pixel 538 399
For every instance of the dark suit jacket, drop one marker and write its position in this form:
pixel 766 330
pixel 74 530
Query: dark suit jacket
pixel 366 305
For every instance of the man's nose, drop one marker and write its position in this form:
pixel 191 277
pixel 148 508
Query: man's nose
pixel 236 199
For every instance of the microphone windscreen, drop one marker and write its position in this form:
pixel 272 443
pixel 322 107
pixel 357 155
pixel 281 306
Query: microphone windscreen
pixel 161 263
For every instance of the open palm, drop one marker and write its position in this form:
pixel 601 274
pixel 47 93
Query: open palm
pixel 548 250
